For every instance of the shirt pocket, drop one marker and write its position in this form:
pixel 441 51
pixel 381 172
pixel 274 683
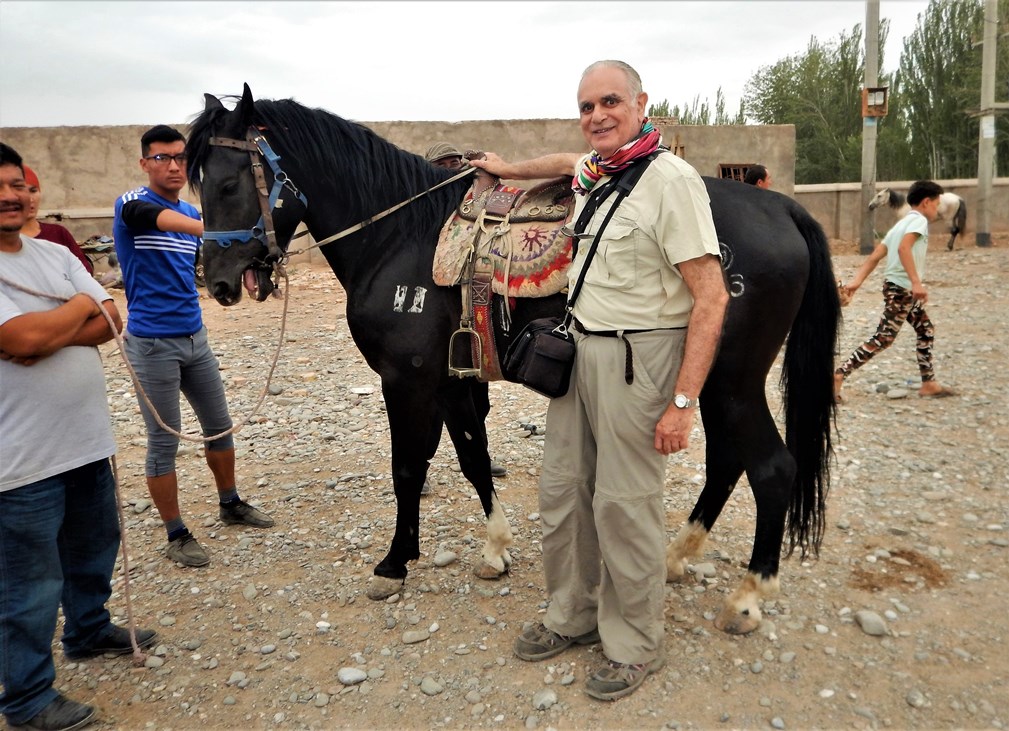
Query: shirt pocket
pixel 615 264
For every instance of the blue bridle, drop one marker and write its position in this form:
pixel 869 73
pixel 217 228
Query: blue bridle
pixel 258 148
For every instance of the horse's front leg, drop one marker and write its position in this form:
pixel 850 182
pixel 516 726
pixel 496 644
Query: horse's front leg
pixel 412 415
pixel 466 426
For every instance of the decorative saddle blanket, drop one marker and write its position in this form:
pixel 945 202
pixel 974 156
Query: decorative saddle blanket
pixel 512 234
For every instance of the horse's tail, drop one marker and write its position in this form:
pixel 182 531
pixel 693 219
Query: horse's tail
pixel 807 380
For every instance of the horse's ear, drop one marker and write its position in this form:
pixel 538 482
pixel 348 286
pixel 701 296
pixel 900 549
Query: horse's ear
pixel 212 102
pixel 247 106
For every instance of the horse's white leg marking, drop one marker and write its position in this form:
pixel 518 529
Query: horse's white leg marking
pixel 418 299
pixel 688 543
pixel 496 558
pixel 741 613
pixel 399 298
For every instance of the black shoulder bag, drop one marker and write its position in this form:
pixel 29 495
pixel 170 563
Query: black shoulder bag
pixel 543 353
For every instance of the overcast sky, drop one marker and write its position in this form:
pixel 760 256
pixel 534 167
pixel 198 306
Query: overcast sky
pixel 102 63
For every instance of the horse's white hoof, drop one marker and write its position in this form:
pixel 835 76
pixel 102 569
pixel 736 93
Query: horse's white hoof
pixel 381 587
pixel 488 572
pixel 736 622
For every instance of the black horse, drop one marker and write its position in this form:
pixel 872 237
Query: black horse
pixel 312 166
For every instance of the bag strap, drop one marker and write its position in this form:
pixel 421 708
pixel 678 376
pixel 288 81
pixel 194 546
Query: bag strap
pixel 623 185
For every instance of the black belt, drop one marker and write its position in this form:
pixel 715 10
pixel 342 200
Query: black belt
pixel 628 354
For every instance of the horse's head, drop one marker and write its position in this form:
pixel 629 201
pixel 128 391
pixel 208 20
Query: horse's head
pixel 881 198
pixel 250 207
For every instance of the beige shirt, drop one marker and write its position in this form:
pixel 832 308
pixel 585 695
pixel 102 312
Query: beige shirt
pixel 633 282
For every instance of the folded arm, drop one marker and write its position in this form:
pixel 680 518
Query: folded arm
pixel 35 335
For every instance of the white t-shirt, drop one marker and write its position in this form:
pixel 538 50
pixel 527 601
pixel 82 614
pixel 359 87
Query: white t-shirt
pixel 632 282
pixel 912 223
pixel 54 415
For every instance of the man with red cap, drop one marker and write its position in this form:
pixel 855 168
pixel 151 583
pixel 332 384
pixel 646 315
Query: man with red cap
pixel 48 231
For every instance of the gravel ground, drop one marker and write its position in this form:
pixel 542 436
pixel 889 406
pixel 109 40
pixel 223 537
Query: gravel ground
pixel 896 625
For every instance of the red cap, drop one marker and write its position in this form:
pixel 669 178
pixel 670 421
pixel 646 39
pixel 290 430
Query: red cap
pixel 30 177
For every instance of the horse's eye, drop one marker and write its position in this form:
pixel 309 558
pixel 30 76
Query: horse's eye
pixel 229 188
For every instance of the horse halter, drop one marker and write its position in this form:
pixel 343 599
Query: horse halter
pixel 269 200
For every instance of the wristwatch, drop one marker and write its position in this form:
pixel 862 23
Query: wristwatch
pixel 681 401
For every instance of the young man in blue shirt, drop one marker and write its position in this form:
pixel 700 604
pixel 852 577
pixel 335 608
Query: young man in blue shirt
pixel 157 237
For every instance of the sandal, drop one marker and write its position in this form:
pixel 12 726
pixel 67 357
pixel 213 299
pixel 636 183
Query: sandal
pixel 539 643
pixel 618 679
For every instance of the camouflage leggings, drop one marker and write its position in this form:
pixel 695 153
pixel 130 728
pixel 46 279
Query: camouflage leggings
pixel 898 306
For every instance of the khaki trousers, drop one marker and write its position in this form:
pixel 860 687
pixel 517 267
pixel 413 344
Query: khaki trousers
pixel 601 495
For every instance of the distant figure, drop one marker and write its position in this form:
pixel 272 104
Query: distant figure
pixel 904 295
pixel 444 155
pixel 49 231
pixel 759 176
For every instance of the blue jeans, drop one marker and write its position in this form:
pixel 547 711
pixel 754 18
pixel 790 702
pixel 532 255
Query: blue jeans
pixel 58 543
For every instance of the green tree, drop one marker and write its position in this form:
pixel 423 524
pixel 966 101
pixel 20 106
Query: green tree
pixel 698 112
pixel 938 89
pixel 820 92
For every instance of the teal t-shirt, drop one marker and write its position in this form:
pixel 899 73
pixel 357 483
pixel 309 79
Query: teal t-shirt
pixel 915 223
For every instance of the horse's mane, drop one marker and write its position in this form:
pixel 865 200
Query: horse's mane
pixel 331 147
pixel 896 199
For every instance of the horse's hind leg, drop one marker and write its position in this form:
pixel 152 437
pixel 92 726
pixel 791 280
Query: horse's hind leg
pixel 723 469
pixel 770 469
pixel 466 427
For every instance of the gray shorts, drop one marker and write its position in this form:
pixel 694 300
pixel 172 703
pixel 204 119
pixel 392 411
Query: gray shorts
pixel 166 367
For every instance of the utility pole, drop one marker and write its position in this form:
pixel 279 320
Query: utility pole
pixel 986 133
pixel 868 240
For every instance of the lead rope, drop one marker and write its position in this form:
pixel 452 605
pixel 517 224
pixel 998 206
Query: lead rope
pixel 139 657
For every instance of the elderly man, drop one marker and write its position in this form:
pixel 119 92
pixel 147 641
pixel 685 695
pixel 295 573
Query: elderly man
pixel 654 289
pixel 59 533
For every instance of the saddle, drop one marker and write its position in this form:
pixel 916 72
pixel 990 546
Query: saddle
pixel 512 236
pixel 507 241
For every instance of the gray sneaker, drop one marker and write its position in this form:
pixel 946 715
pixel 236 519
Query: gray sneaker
pixel 187 551
pixel 62 714
pixel 241 513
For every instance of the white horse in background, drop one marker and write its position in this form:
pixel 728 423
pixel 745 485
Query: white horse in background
pixel 951 208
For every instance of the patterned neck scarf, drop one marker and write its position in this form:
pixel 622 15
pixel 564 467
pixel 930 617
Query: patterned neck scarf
pixel 647 142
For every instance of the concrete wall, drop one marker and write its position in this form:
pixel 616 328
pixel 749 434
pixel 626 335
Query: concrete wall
pixel 837 206
pixel 84 169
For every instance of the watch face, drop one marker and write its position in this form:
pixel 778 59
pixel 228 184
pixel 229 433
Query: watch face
pixel 681 401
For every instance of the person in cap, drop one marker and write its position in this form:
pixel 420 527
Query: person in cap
pixel 444 155
pixel 37 229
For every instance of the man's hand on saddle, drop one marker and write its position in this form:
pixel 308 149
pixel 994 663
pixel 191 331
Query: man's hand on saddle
pixel 488 163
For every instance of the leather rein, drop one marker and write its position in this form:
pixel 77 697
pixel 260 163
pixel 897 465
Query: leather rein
pixel 269 200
